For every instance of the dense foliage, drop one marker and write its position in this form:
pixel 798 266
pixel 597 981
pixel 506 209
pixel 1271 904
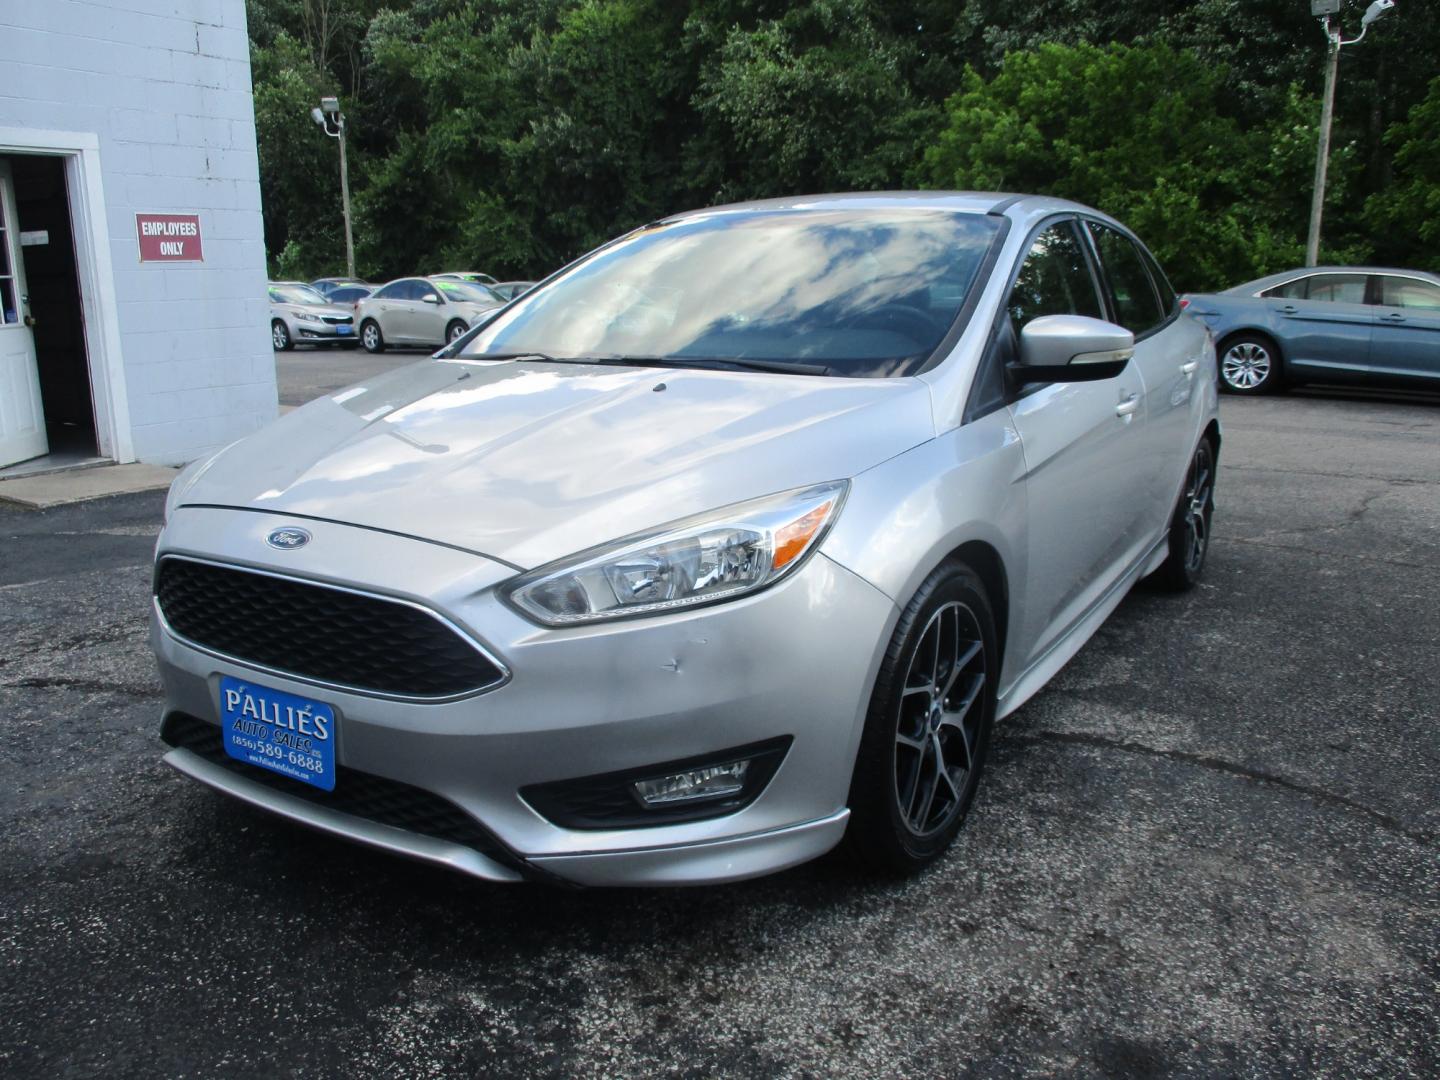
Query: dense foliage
pixel 512 135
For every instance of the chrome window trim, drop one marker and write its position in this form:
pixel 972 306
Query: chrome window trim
pixel 449 624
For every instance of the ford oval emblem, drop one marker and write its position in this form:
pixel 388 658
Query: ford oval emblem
pixel 288 539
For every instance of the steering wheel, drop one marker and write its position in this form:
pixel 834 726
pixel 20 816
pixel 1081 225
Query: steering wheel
pixel 914 323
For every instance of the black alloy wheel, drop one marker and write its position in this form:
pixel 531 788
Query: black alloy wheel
pixel 1190 523
pixel 928 731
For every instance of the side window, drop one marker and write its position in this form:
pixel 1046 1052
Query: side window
pixel 1162 283
pixel 394 291
pixel 1410 293
pixel 419 290
pixel 1137 308
pixel 1054 279
pixel 1291 290
pixel 1337 288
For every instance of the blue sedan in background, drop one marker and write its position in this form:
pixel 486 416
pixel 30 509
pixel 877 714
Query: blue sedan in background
pixel 1326 324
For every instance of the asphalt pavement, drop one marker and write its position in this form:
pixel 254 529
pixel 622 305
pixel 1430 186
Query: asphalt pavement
pixel 1209 847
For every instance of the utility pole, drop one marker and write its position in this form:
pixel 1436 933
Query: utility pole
pixel 328 115
pixel 1323 9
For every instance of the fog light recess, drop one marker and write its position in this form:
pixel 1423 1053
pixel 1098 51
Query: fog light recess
pixel 662 794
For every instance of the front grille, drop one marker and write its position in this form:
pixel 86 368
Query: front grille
pixel 338 320
pixel 319 633
pixel 360 794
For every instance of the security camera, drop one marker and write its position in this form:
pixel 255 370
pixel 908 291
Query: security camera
pixel 332 105
pixel 1375 10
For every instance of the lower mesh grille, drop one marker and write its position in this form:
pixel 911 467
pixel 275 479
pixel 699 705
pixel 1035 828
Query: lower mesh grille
pixel 361 794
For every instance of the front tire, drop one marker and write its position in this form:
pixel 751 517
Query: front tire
pixel 370 336
pixel 1250 364
pixel 1190 524
pixel 927 733
pixel 280 336
pixel 455 331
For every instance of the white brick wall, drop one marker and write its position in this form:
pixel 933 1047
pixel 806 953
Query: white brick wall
pixel 165 85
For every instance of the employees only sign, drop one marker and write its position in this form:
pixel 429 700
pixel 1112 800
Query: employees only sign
pixel 169 237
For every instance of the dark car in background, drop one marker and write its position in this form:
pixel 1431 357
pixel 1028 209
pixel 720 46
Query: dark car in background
pixel 326 285
pixel 1326 324
pixel 509 290
pixel 350 295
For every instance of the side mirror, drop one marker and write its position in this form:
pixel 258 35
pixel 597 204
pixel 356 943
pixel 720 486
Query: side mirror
pixel 431 298
pixel 1072 348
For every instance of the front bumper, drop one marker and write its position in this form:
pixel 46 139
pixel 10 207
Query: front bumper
pixel 330 333
pixel 796 660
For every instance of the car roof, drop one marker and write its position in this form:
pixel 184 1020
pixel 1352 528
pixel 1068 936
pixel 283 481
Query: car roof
pixel 1283 276
pixel 1022 208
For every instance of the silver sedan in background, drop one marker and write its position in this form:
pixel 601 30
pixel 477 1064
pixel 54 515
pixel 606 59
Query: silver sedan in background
pixel 299 315
pixel 730 542
pixel 421 311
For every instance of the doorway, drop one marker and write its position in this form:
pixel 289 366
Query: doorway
pixel 48 420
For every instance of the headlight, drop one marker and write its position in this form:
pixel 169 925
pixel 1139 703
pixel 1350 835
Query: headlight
pixel 305 316
pixel 700 560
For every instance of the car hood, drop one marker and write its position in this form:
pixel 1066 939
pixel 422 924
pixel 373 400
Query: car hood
pixel 529 462
pixel 332 310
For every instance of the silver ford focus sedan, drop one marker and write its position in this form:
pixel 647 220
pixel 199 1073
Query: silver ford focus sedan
pixel 729 542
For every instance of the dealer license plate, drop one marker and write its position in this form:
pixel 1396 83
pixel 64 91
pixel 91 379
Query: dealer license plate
pixel 282 732
pixel 343 328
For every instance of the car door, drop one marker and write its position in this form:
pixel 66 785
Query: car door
pixel 386 307
pixel 1326 334
pixel 430 314
pixel 1168 353
pixel 1406 340
pixel 1082 446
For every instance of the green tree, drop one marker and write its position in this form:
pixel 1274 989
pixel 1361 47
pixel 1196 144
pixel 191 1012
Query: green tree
pixel 1406 218
pixel 1146 134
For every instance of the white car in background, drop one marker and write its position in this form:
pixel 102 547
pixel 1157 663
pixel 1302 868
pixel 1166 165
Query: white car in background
pixel 299 315
pixel 421 311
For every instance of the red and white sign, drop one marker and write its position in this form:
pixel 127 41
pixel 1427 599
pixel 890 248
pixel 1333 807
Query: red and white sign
pixel 169 237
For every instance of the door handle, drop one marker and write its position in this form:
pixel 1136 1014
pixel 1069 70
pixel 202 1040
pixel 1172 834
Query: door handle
pixel 1287 309
pixel 1128 405
pixel 1189 367
pixel 1393 316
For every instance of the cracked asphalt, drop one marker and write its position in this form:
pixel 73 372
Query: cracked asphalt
pixel 1209 847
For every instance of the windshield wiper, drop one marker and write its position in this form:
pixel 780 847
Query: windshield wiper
pixel 714 363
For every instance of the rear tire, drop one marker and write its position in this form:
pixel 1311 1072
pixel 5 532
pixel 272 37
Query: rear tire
pixel 1249 364
pixel 280 336
pixel 370 336
pixel 1190 524
pixel 927 733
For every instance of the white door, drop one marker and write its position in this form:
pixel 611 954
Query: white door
pixel 22 415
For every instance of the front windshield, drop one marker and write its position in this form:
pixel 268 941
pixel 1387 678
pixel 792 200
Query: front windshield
pixel 868 292
pixel 466 292
pixel 295 294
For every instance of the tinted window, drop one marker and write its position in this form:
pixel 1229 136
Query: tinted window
pixel 394 291
pixel 868 292
pixel 419 290
pixel 1162 283
pixel 1337 288
pixel 348 294
pixel 1291 290
pixel 1136 306
pixel 1410 293
pixel 1054 279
